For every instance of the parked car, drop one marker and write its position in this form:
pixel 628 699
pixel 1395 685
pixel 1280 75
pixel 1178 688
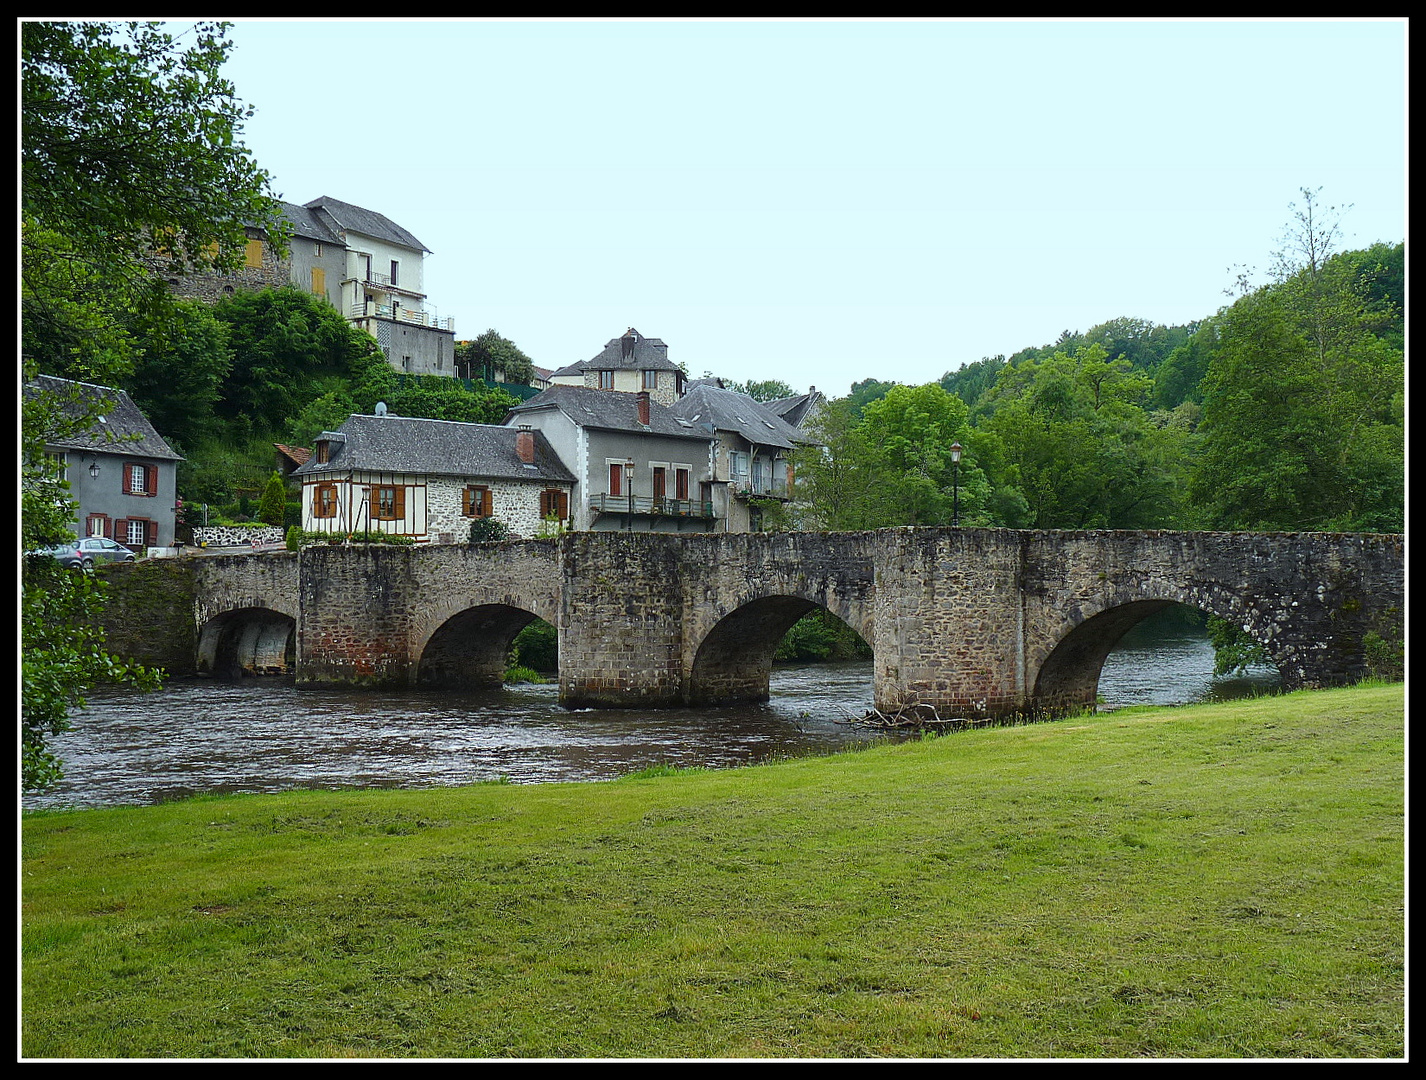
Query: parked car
pixel 102 549
pixel 83 554
pixel 67 555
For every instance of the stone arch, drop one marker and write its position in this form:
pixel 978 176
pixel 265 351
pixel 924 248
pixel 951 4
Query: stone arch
pixel 733 660
pixel 247 641
pixel 469 649
pixel 1068 677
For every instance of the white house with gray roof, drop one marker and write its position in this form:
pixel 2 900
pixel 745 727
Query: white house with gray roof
pixel 430 479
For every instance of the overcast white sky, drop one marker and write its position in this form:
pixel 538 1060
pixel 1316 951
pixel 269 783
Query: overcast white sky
pixel 828 201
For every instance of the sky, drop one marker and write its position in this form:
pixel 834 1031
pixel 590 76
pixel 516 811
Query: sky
pixel 826 201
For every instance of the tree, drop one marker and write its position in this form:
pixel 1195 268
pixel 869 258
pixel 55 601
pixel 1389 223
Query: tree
pixel 273 504
pixel 763 389
pixel 1304 398
pixel 490 353
pixel 129 156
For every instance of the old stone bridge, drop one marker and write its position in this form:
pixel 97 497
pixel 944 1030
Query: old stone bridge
pixel 974 621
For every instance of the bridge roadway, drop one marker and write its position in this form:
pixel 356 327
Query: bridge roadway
pixel 973 621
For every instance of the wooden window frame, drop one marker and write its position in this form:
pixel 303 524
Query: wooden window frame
pixel 651 379
pixel 477 501
pixel 318 509
pixel 126 478
pixel 606 380
pixel 554 501
pixel 397 510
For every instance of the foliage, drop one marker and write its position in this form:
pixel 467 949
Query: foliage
pixel 820 635
pixel 436 397
pixel 297 538
pixel 488 530
pixel 273 507
pixel 536 646
pixel 490 353
pixel 762 389
pixel 1304 399
pixel 1233 650
pixel 129 158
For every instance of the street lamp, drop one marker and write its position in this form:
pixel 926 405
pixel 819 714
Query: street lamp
pixel 629 480
pixel 956 484
pixel 94 469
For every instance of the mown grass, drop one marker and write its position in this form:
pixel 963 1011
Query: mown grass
pixel 1215 881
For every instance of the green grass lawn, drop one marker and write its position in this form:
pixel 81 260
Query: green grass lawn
pixel 1216 881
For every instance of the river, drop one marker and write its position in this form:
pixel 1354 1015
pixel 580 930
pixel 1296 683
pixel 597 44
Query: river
pixel 198 737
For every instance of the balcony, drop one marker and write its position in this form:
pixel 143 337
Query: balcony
pixel 399 314
pixel 649 507
pixel 760 487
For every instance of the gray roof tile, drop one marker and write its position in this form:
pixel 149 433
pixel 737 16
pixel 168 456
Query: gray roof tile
pixel 123 429
pixel 610 410
pixel 405 444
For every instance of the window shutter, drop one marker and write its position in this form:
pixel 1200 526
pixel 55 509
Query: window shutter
pixel 545 503
pixel 319 281
pixel 399 508
pixel 562 498
pixel 151 479
pixel 121 530
pixel 153 534
pixel 486 502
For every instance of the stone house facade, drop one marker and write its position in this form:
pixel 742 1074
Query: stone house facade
pixel 431 479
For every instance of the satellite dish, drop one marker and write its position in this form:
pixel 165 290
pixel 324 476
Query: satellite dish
pixel 381 408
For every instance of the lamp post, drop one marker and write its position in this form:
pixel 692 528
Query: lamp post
pixel 956 484
pixel 629 480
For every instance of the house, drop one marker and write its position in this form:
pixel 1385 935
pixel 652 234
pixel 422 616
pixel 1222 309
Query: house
pixel 752 451
pixel 630 364
pixel 365 265
pixel 382 287
pixel 636 465
pixel 120 471
pixel 800 409
pixel 430 479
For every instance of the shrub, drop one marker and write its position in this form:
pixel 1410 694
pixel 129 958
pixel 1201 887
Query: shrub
pixel 488 531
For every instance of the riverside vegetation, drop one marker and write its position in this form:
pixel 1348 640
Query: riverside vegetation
pixel 1210 881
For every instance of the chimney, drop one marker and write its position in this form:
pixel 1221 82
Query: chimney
pixel 525 444
pixel 644 407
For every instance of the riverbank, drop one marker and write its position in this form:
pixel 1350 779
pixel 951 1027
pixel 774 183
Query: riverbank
pixel 1221 880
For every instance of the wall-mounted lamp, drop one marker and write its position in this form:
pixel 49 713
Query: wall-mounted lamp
pixel 94 469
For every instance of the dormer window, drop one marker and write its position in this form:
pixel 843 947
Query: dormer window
pixel 324 451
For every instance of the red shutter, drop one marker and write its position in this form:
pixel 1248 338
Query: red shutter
pixel 562 498
pixel 545 503
pixel 400 508
pixel 152 529
pixel 151 479
pixel 121 531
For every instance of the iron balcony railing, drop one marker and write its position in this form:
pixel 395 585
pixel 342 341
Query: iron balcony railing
pixel 626 504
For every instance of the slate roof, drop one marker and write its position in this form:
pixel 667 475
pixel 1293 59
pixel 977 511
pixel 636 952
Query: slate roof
pixel 795 409
pixel 405 444
pixel 629 352
pixel 711 406
pixel 122 429
pixel 367 222
pixel 609 410
pixel 309 224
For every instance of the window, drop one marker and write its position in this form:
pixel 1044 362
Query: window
pixel 324 501
pixel 476 502
pixel 136 532
pixel 606 380
pixel 390 503
pixel 616 479
pixel 324 451
pixel 651 380
pixel 680 483
pixel 139 479
pixel 660 482
pixel 319 281
pixel 395 266
pixel 254 255
pixel 96 525
pixel 554 503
